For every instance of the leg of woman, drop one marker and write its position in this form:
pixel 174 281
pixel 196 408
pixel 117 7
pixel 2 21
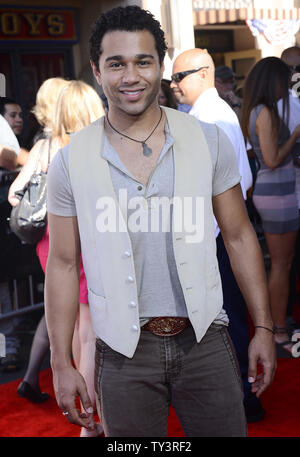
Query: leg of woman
pixel 282 250
pixel 39 348
pixel 29 387
pixel 86 363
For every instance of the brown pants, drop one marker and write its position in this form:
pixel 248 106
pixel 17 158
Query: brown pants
pixel 200 380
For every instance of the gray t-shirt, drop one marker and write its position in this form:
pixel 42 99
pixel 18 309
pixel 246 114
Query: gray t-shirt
pixel 159 288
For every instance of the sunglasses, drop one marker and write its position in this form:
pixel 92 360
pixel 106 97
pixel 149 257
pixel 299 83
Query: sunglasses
pixel 177 77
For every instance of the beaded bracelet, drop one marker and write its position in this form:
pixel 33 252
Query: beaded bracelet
pixel 266 328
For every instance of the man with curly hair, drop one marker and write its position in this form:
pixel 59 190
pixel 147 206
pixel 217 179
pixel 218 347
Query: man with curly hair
pixel 134 193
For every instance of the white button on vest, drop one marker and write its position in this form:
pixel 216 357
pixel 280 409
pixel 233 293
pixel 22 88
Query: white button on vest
pixel 127 254
pixel 130 279
pixel 132 304
pixel 135 327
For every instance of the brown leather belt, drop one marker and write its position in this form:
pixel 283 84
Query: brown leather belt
pixel 167 326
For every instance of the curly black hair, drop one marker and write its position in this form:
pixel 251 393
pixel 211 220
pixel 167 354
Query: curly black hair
pixel 6 101
pixel 130 19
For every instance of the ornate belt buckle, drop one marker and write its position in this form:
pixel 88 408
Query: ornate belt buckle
pixel 167 326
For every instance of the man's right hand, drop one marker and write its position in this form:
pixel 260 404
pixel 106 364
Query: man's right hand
pixel 68 384
pixel 8 158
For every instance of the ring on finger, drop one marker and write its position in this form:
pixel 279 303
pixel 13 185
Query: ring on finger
pixel 65 413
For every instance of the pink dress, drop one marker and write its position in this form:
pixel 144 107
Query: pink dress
pixel 42 250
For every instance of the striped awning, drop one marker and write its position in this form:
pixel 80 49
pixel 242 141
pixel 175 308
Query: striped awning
pixel 217 16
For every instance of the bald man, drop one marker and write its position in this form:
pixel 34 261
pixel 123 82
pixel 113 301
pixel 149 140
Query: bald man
pixel 198 90
pixel 193 82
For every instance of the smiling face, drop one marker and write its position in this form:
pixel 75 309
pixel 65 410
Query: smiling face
pixel 129 72
pixel 13 115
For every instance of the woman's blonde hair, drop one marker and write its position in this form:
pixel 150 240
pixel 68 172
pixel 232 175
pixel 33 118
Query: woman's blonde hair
pixel 77 106
pixel 46 99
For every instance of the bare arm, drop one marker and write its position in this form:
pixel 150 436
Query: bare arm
pixel 61 307
pixel 8 158
pixel 248 267
pixel 23 156
pixel 273 154
pixel 25 174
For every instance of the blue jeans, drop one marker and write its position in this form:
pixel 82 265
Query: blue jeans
pixel 200 380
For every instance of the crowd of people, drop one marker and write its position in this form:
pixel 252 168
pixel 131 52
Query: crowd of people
pixel 54 112
pixel 242 153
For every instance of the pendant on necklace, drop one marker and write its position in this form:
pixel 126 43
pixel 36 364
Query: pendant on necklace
pixel 146 150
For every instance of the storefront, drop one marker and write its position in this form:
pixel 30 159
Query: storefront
pixel 38 41
pixel 35 44
pixel 239 32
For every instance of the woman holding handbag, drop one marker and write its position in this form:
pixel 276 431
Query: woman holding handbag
pixel 77 105
pixel 45 102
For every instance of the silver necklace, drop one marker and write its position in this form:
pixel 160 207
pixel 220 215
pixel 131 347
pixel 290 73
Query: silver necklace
pixel 146 150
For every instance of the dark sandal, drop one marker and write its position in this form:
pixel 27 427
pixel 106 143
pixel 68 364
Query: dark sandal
pixel 280 349
pixel 26 391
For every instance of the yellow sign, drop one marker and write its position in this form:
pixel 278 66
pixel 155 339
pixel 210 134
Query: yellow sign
pixel 41 24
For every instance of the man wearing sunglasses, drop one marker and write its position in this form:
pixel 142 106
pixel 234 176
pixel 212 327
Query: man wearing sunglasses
pixel 193 82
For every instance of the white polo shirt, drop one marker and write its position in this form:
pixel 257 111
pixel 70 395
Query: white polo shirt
pixel 211 108
pixel 7 137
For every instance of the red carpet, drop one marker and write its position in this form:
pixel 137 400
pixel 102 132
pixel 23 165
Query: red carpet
pixel 20 418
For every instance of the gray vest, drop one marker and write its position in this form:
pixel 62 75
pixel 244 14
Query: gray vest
pixel 107 255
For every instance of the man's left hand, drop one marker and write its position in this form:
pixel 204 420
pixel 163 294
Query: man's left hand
pixel 261 351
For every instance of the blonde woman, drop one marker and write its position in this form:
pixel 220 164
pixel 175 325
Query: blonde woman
pixel 46 99
pixel 77 106
pixel 44 109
